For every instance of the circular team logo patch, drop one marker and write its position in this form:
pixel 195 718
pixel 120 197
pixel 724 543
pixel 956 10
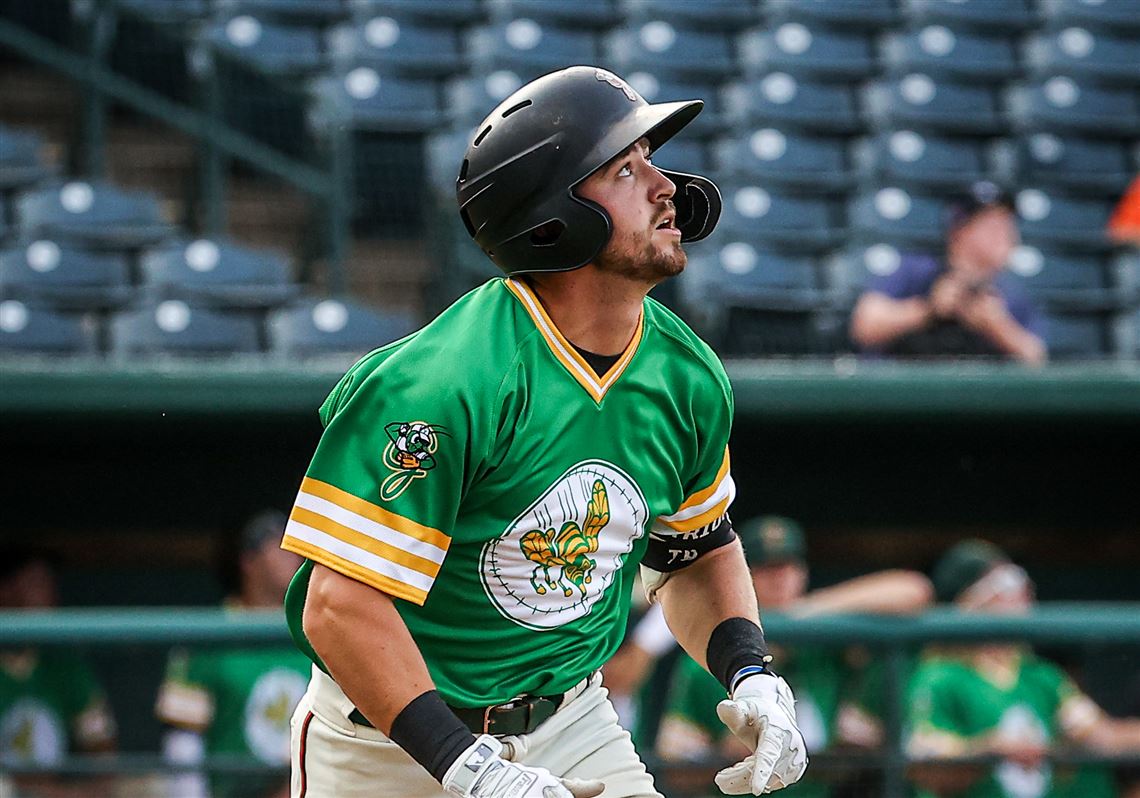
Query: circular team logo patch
pixel 31 731
pixel 557 559
pixel 267 711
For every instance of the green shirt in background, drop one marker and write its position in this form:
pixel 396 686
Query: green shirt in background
pixel 50 705
pixel 948 695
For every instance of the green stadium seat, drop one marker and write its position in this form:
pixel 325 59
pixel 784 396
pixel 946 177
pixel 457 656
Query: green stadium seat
pixel 938 51
pixel 21 163
pixel 1063 104
pixel 210 273
pixel 173 327
pixel 315 327
pixel 31 330
pixel 837 14
pixel 661 48
pixel 780 220
pixel 897 216
pixel 1101 166
pixel 813 53
pixel 920 102
pixel 738 274
pixel 780 100
pixel 44 273
pixel 1082 53
pixel 530 48
pixel 909 158
pixel 93 214
pixel 990 16
pixel 167 12
pixel 1080 336
pixel 392 45
pixel 684 154
pixel 787 159
pixel 595 14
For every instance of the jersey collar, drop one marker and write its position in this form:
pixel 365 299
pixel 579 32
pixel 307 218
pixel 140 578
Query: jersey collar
pixel 564 351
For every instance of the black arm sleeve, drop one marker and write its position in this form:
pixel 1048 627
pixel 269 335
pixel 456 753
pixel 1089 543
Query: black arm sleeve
pixel 673 552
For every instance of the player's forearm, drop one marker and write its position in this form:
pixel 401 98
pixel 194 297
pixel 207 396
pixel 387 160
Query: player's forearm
pixel 1114 736
pixel 698 598
pixel 879 319
pixel 893 592
pixel 365 644
pixel 1016 341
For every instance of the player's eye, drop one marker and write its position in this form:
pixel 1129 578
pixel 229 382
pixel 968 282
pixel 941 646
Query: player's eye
pixel 625 171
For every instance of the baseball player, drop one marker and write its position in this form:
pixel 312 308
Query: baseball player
pixel 486 489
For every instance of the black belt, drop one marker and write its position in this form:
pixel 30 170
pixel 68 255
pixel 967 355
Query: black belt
pixel 520 716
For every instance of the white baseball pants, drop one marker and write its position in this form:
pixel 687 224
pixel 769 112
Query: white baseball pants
pixel 332 757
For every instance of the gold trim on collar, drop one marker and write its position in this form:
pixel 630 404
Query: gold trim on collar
pixel 565 352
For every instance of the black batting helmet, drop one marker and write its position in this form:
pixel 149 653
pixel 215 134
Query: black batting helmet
pixel 524 160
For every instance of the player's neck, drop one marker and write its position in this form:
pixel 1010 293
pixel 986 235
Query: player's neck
pixel 595 311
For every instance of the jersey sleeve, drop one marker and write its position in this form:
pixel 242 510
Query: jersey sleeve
pixel 383 488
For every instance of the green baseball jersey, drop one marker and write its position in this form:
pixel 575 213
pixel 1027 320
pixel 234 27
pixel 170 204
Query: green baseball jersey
pixel 817 676
pixel 482 474
pixel 949 695
pixel 240 701
pixel 50 704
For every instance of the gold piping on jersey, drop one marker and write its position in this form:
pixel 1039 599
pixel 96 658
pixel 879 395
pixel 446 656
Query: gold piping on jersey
pixel 565 352
pixel 704 506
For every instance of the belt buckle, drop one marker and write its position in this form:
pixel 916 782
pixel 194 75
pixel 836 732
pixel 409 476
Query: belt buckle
pixel 514 703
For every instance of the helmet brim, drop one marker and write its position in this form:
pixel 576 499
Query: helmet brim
pixel 657 122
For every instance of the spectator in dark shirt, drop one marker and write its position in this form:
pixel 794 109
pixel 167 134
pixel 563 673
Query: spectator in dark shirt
pixel 962 304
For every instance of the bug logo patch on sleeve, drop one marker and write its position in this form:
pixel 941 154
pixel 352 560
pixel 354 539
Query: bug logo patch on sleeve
pixel 410 454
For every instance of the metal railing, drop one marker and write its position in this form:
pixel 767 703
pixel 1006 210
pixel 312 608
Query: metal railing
pixel 1071 624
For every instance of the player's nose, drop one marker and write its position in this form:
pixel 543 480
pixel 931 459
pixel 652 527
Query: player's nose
pixel 661 187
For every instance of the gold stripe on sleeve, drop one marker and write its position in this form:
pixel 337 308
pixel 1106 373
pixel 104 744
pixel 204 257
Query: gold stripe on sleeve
pixel 378 547
pixel 373 512
pixel 384 584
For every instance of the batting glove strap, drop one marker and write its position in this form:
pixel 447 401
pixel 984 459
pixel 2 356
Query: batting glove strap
pixel 480 772
pixel 761 713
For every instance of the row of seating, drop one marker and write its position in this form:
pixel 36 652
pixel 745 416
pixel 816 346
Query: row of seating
pixel 172 327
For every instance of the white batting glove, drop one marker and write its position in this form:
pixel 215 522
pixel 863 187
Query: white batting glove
pixel 762 715
pixel 480 772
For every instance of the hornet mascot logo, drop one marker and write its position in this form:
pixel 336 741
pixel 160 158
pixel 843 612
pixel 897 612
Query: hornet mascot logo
pixel 410 454
pixel 569 548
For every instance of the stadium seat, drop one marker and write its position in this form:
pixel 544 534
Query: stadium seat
pixel 850 269
pixel 27 329
pixel 919 101
pixel 1118 16
pixel 780 100
pixel 44 273
pixel 684 154
pixel 530 48
pixel 172 327
pixel 1061 103
pixel 1082 53
pixel 765 332
pixel 470 99
pixel 452 12
pixel 274 50
pixel 91 214
pixel 938 51
pixel 20 161
pixel 839 14
pixel 1078 335
pixel 579 14
pixel 167 12
pixel 391 45
pixel 815 53
pixel 1064 280
pixel 738 274
pixel 443 155
pixel 909 158
pixel 786 221
pixel 660 48
pixel 1103 166
pixel 984 15
pixel 217 273
pixel 292 12
pixel 724 15
pixel 896 216
pixel 328 326
pixel 658 89
pixel 787 159
pixel 1050 219
pixel 364 99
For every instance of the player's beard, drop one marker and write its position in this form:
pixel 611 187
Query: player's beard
pixel 645 261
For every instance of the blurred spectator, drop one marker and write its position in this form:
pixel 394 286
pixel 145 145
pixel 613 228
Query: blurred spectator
pixel 775 550
pixel 51 704
pixel 238 702
pixel 1000 699
pixel 1124 224
pixel 961 304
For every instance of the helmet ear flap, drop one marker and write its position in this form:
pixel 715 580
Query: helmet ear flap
pixel 698 204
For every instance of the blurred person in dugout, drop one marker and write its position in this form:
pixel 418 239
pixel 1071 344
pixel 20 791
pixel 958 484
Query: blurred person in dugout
pixel 233 702
pixel 962 303
pixel 51 704
pixel 1000 699
pixel 774 548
